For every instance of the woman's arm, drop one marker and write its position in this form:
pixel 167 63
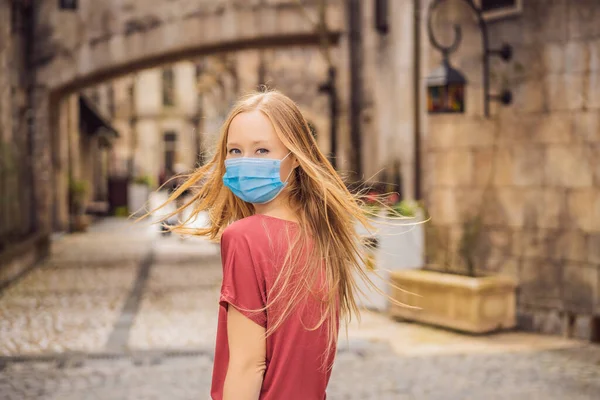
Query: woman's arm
pixel 247 354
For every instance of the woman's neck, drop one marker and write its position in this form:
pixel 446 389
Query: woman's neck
pixel 279 208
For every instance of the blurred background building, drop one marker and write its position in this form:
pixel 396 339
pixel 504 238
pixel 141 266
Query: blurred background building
pixel 96 96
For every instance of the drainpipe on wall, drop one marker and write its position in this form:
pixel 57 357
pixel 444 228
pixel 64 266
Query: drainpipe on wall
pixel 417 97
pixel 356 95
pixel 330 88
pixel 29 23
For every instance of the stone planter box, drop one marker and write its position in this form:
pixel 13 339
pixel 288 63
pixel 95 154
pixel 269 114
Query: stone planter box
pixel 79 222
pixel 395 248
pixel 474 305
pixel 137 196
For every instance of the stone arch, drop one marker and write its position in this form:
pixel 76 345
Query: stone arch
pixel 124 36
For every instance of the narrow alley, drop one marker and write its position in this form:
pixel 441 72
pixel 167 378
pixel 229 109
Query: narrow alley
pixel 121 312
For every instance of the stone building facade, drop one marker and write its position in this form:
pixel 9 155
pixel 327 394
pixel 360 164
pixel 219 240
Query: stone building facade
pixel 531 167
pixel 19 228
pixel 156 114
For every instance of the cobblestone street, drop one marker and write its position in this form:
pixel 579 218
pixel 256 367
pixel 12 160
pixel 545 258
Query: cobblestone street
pixel 123 313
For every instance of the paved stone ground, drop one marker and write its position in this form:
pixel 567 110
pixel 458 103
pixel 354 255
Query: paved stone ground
pixel 122 313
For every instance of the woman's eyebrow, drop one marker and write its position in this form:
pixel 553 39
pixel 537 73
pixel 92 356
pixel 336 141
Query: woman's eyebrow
pixel 255 142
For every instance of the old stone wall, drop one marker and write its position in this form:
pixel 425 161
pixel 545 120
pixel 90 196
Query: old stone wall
pixel 16 192
pixel 531 167
pixel 388 80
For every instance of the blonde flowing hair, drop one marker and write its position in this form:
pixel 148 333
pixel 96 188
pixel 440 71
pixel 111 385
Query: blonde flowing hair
pixel 327 213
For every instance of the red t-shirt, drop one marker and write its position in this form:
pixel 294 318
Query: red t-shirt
pixel 253 250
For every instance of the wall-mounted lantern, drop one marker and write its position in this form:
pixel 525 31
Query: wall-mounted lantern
pixel 446 90
pixel 67 4
pixel 446 85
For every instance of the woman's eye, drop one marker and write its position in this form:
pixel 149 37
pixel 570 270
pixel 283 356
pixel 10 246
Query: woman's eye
pixel 234 151
pixel 262 151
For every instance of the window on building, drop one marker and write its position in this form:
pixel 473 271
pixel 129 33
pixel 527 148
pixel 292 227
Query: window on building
pixel 170 146
pixel 168 87
pixel 381 16
pixel 67 4
pixel 15 16
pixel 110 94
pixel 500 8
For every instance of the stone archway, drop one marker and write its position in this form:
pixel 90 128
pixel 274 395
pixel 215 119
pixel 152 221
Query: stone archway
pixel 102 40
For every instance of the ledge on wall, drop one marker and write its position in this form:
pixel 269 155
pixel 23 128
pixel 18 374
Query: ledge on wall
pixel 21 257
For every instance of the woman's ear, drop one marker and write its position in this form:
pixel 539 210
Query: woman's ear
pixel 295 163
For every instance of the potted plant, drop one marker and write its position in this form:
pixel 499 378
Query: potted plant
pixel 138 192
pixel 452 293
pixel 396 243
pixel 78 190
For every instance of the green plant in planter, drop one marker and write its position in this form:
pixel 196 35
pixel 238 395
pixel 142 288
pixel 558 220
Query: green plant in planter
pixel 121 211
pixel 143 180
pixel 404 208
pixel 78 190
pixel 371 209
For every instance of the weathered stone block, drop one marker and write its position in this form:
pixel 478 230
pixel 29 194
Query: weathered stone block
pixel 582 20
pixel 500 262
pixel 512 202
pixel 576 56
pixel 593 249
pixel 582 328
pixel 529 96
pixel 475 133
pixel 441 134
pixel 437 244
pixel 473 103
pixel 572 245
pixel 579 287
pixel 443 206
pixel 593 94
pixel 548 322
pixel 554 57
pixel 552 208
pixel 540 283
pixel 482 166
pixel 516 128
pixel 546 21
pixel 584 208
pixel 586 126
pixel 565 91
pixel 535 242
pixel 468 200
pixel 454 168
pixel 567 166
pixel 529 165
pixel 504 167
pixel 554 128
pixel 594 53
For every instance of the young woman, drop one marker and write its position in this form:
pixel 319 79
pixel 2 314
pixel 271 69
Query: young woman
pixel 289 251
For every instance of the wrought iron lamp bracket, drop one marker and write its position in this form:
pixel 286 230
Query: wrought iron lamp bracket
pixel 505 52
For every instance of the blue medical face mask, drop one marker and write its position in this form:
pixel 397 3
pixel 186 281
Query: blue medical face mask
pixel 254 180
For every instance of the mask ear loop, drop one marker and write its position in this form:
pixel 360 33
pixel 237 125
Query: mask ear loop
pixel 290 174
